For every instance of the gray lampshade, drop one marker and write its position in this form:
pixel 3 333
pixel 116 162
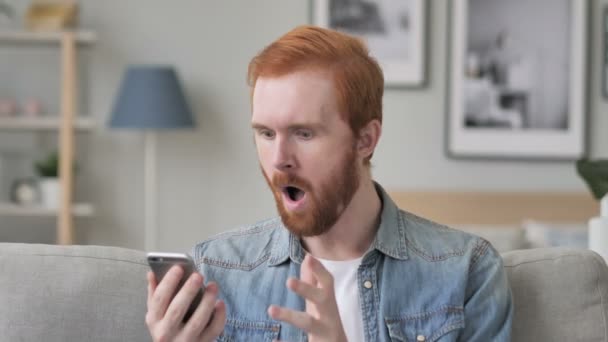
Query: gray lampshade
pixel 151 97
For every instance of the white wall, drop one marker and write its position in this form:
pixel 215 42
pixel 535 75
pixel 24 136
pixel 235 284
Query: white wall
pixel 209 180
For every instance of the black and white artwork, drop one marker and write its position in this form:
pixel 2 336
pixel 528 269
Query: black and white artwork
pixel 517 79
pixel 394 31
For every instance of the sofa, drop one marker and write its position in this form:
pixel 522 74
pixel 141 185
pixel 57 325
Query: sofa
pixel 95 293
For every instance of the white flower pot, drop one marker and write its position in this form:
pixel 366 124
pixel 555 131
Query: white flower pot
pixel 50 193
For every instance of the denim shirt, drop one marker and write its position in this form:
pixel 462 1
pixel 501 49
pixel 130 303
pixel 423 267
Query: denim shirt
pixel 420 281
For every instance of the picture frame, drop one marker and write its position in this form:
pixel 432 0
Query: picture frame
pixel 394 30
pixel 605 54
pixel 516 87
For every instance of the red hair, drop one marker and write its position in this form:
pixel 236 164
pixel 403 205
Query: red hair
pixel 357 77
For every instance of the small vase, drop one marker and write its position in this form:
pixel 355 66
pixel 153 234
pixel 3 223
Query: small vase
pixel 50 191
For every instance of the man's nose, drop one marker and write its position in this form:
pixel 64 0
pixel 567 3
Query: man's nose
pixel 283 155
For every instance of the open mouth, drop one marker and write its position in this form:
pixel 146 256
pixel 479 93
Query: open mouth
pixel 294 194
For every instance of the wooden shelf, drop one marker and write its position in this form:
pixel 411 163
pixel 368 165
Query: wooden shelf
pixel 10 209
pixel 34 37
pixel 64 124
pixel 42 123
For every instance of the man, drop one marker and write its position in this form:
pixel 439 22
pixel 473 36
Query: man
pixel 342 262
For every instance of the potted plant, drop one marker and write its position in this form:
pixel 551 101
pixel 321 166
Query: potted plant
pixel 48 172
pixel 595 174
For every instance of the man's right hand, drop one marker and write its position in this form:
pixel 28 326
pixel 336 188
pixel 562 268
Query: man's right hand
pixel 164 316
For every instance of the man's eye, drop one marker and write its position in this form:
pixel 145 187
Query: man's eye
pixel 267 134
pixel 305 134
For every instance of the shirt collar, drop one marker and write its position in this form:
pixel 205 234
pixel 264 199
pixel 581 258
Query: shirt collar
pixel 390 238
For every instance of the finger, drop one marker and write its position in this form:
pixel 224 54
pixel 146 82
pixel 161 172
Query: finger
pixel 151 285
pixel 306 271
pixel 164 291
pixel 215 328
pixel 181 302
pixel 298 319
pixel 201 316
pixel 305 290
pixel 321 274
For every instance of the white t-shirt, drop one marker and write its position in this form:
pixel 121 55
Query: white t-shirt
pixel 347 296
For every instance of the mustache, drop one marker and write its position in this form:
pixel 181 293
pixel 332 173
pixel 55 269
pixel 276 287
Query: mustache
pixel 283 179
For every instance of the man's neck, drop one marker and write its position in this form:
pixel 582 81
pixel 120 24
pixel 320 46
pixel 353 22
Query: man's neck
pixel 354 231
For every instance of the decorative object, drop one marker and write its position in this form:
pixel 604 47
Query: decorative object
pixel 32 107
pixel 25 192
pixel 605 55
pixel 51 15
pixel 48 171
pixel 151 99
pixel 8 107
pixel 394 30
pixel 595 174
pixel 516 83
pixel 598 230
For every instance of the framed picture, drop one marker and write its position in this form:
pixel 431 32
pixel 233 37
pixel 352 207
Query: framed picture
pixel 516 84
pixel 394 30
pixel 605 38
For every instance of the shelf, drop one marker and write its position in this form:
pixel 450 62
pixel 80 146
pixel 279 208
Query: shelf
pixel 10 209
pixel 68 49
pixel 43 37
pixel 42 123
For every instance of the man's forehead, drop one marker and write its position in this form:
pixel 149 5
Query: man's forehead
pixel 297 97
pixel 320 117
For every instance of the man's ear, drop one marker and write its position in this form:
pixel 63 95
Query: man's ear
pixel 368 138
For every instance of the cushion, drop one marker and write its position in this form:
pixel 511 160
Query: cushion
pixel 72 293
pixel 560 294
pixel 554 234
pixel 503 237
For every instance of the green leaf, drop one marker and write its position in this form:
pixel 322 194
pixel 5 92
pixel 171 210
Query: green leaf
pixel 48 167
pixel 595 174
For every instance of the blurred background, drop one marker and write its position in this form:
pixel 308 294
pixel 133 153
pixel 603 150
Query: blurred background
pixel 207 178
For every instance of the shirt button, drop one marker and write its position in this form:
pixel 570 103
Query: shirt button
pixel 420 338
pixel 367 284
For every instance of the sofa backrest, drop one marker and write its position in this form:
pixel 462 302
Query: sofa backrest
pixel 75 293
pixel 94 293
pixel 560 294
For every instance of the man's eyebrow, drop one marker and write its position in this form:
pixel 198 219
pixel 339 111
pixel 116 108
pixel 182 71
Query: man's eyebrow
pixel 295 126
pixel 258 126
pixel 311 125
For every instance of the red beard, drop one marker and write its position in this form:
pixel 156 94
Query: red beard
pixel 324 206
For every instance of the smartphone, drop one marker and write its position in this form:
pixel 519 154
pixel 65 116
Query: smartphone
pixel 160 263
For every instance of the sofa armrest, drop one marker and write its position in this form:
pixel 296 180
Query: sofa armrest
pixel 560 294
pixel 72 293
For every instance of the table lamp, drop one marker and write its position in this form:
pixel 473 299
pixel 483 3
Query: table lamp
pixel 151 99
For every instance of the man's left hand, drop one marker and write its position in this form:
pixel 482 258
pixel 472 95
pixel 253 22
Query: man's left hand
pixel 321 321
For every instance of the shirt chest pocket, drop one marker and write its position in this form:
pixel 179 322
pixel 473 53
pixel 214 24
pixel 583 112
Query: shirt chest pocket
pixel 242 330
pixel 443 325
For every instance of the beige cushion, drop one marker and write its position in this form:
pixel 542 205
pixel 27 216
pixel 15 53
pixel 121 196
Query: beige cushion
pixel 77 293
pixel 560 294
